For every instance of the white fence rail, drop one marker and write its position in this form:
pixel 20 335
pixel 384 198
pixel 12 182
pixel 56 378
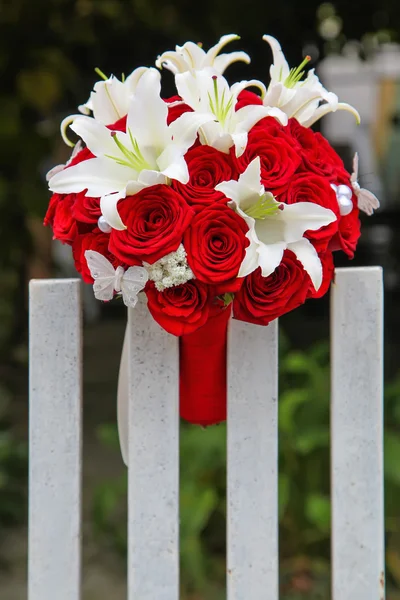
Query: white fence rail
pixel 252 516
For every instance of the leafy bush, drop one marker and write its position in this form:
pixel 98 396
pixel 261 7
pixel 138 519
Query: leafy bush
pixel 304 503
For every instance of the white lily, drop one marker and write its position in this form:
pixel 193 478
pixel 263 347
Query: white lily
pixel 151 152
pixel 110 98
pixel 210 96
pixel 274 227
pixel 296 97
pixel 191 57
pixel 108 102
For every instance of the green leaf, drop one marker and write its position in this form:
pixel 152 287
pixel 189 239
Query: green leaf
pixel 298 362
pixel 313 439
pixel 197 505
pixel 318 511
pixel 392 457
pixel 289 402
pixel 108 435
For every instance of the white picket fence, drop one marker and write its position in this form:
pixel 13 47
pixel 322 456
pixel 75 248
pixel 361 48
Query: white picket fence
pixel 252 515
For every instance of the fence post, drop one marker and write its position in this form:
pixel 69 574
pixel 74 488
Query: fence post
pixel 252 520
pixel 153 472
pixel 55 391
pixel 357 435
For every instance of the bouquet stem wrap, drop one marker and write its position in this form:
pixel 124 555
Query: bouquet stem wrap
pixel 203 372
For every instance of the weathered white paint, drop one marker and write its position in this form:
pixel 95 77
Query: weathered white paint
pixel 252 561
pixel 153 546
pixel 55 440
pixel 357 434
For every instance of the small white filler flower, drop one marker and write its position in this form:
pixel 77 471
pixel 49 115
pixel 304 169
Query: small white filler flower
pixel 171 270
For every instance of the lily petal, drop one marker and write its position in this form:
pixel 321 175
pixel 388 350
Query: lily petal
pixel 65 123
pixel 270 257
pixel 109 100
pixel 96 137
pixel 326 108
pixel 98 176
pixel 171 61
pixel 222 62
pixel 184 129
pixel 240 142
pixel 290 224
pixel 193 54
pixel 301 217
pixel 146 178
pixel 248 116
pixel 243 85
pixel 308 256
pixel 173 165
pixel 230 189
pixel 273 95
pixel 250 181
pixel 188 88
pixel 108 206
pixel 250 261
pixel 214 50
pixel 133 79
pixel 279 69
pixel 147 116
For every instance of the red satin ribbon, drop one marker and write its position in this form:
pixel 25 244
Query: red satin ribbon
pixel 203 372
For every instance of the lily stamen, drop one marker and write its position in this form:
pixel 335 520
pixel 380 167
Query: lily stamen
pixel 296 74
pixel 266 206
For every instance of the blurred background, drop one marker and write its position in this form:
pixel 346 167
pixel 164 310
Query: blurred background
pixel 48 52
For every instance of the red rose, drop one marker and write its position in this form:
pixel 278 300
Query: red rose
pixel 272 126
pixel 245 98
pixel 215 244
pixel 207 167
pixel 263 299
pixel 349 232
pixel 86 209
pixel 155 219
pixel 51 209
pixel 96 240
pixel 59 217
pixel 177 109
pixel 317 154
pixel 119 125
pixel 181 309
pixel 328 272
pixel 279 161
pixel 307 187
pixel 82 155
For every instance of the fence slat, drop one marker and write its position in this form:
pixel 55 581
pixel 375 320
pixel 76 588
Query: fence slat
pixel 357 435
pixel 153 547
pixel 55 384
pixel 252 554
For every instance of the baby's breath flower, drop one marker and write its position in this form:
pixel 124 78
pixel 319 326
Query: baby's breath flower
pixel 170 270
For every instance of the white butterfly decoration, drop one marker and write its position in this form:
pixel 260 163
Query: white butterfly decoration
pixel 367 201
pixel 108 280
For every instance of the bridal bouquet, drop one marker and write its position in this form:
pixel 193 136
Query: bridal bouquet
pixel 218 200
